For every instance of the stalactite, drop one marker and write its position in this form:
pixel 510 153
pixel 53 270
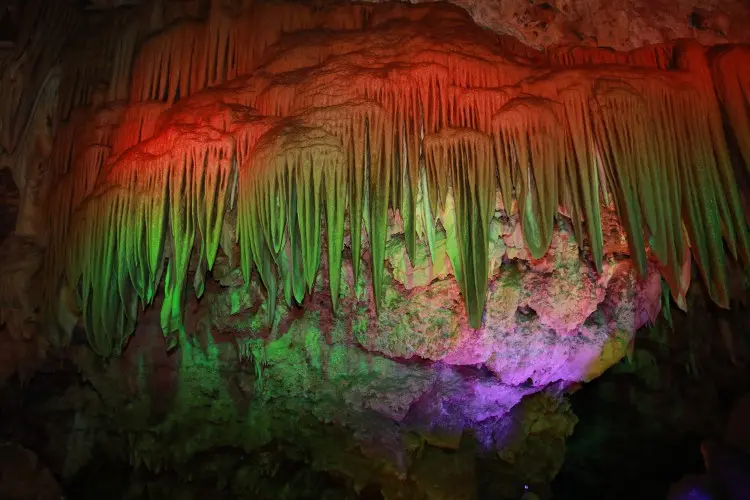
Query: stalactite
pixel 43 31
pixel 581 180
pixel 359 126
pixel 671 127
pixel 122 59
pixel 90 63
pixel 731 76
pixel 181 176
pixel 465 157
pixel 192 56
pixel 288 170
pixel 532 139
pixel 79 153
pixel 709 146
pixel 314 130
pixel 624 141
pixel 658 56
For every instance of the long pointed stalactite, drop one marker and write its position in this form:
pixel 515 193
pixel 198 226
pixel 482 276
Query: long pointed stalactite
pixel 731 76
pixel 382 111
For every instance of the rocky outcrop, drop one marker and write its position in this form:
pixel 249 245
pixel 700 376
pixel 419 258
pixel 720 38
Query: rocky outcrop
pixel 383 403
pixel 622 26
pixel 405 238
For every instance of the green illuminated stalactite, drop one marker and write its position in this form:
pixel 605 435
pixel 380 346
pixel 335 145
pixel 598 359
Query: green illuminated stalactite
pixel 412 128
pixel 616 154
pixel 654 139
pixel 336 183
pixel 466 157
pixel 244 232
pixel 475 188
pixel 309 176
pixel 217 188
pixel 437 181
pixel 182 222
pixel 432 182
pixel 427 212
pixel 570 201
pixel 358 155
pixel 711 152
pixel 535 142
pixel 667 242
pixel 273 206
pixel 734 218
pixel 283 266
pixel 138 260
pixel 201 222
pixel 154 220
pixel 381 167
pixel 100 284
pixel 701 214
pixel 125 250
pixel 448 221
pixel 295 270
pixel 261 254
pixel 582 180
pixel 505 165
pixel 705 122
pixel 396 166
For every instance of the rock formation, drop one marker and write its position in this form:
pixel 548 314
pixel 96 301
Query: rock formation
pixel 396 224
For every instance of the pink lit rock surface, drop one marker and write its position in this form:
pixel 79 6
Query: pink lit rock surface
pixel 547 320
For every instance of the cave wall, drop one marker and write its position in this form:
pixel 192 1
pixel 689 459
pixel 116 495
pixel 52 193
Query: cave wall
pixel 379 235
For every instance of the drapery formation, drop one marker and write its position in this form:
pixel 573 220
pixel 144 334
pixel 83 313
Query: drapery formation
pixel 388 109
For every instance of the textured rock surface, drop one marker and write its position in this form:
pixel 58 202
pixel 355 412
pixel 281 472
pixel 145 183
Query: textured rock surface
pixel 388 402
pixel 547 320
pixel 22 345
pixel 403 403
pixel 622 25
pixel 373 420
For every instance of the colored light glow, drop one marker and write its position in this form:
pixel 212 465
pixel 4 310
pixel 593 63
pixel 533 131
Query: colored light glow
pixel 371 116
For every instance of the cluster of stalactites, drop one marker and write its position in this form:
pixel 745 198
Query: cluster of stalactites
pixel 282 189
pixel 154 205
pixel 731 75
pixel 193 55
pixel 462 160
pixel 352 138
pixel 654 145
pixel 305 174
